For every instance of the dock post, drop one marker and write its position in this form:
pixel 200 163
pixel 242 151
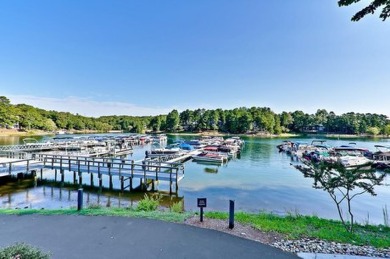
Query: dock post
pixel 80 179
pixel 131 183
pixel 153 185
pixel 62 176
pixel 177 185
pixel 144 168
pixel 122 183
pixel 91 179
pixel 111 185
pixel 34 174
pixel 132 168
pixel 41 173
pixel 74 177
pixel 170 180
pixel 100 182
pixel 79 199
pixel 55 175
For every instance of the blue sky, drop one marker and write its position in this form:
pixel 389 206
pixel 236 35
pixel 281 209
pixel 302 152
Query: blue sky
pixel 149 57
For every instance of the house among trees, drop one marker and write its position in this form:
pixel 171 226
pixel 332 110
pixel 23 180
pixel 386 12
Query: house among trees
pixel 316 128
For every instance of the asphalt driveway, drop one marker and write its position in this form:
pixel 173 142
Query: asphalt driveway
pixel 120 237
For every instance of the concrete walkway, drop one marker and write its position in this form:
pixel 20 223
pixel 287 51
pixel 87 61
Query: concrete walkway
pixel 120 237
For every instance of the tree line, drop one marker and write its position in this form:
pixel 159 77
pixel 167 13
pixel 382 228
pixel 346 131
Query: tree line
pixel 236 121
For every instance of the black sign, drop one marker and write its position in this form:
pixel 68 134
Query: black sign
pixel 202 202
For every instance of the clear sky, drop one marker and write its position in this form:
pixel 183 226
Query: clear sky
pixel 148 57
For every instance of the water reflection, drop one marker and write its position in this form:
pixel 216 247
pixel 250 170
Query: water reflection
pixel 23 194
pixel 262 179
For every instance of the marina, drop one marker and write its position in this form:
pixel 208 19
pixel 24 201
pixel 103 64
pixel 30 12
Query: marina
pixel 259 178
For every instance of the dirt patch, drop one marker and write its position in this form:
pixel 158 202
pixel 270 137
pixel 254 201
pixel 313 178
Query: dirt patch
pixel 238 230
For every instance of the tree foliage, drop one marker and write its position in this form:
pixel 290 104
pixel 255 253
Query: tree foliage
pixel 369 9
pixel 343 185
pixel 238 120
pixel 173 120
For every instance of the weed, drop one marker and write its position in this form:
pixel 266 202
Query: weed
pixel 94 206
pixel 177 207
pixel 148 203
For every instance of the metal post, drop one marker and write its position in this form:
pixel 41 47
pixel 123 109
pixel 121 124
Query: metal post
pixel 80 199
pixel 201 214
pixel 231 214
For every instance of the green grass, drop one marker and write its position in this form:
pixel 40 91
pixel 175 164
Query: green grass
pixel 295 227
pixel 102 211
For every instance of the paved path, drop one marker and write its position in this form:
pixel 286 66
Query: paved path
pixel 120 237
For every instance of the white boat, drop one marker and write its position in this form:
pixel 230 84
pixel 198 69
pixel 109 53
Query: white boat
pixel 351 162
pixel 160 138
pixel 209 157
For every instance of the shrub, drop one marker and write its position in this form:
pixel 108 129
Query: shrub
pixel 94 206
pixel 177 207
pixel 148 203
pixel 21 250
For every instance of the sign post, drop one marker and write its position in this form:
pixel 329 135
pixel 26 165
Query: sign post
pixel 79 199
pixel 202 203
pixel 231 214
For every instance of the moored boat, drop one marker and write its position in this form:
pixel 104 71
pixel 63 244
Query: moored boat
pixel 209 157
pixel 381 157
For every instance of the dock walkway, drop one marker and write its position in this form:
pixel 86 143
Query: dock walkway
pixel 147 171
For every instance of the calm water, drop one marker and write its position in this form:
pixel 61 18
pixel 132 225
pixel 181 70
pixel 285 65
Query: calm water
pixel 261 179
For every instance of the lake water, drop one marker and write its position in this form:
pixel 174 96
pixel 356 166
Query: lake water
pixel 261 179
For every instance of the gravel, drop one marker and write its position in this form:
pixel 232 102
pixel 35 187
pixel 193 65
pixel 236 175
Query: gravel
pixel 304 245
pixel 319 246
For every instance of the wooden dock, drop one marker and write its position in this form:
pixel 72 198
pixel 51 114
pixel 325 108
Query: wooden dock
pixel 15 166
pixel 126 171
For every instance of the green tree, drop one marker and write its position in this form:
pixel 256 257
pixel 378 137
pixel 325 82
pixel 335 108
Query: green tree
pixel 343 185
pixel 373 131
pixel 155 123
pixel 49 125
pixel 369 9
pixel 244 123
pixel 286 120
pixel 213 120
pixel 300 120
pixel 321 117
pixel 386 130
pixel 173 120
pixel 138 127
pixel 187 119
pixel 277 127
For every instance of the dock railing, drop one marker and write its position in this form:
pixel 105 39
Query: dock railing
pixel 147 169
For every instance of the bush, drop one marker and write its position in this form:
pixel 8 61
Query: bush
pixel 94 206
pixel 148 203
pixel 177 207
pixel 22 251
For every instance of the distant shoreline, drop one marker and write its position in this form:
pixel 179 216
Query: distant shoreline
pixel 14 132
